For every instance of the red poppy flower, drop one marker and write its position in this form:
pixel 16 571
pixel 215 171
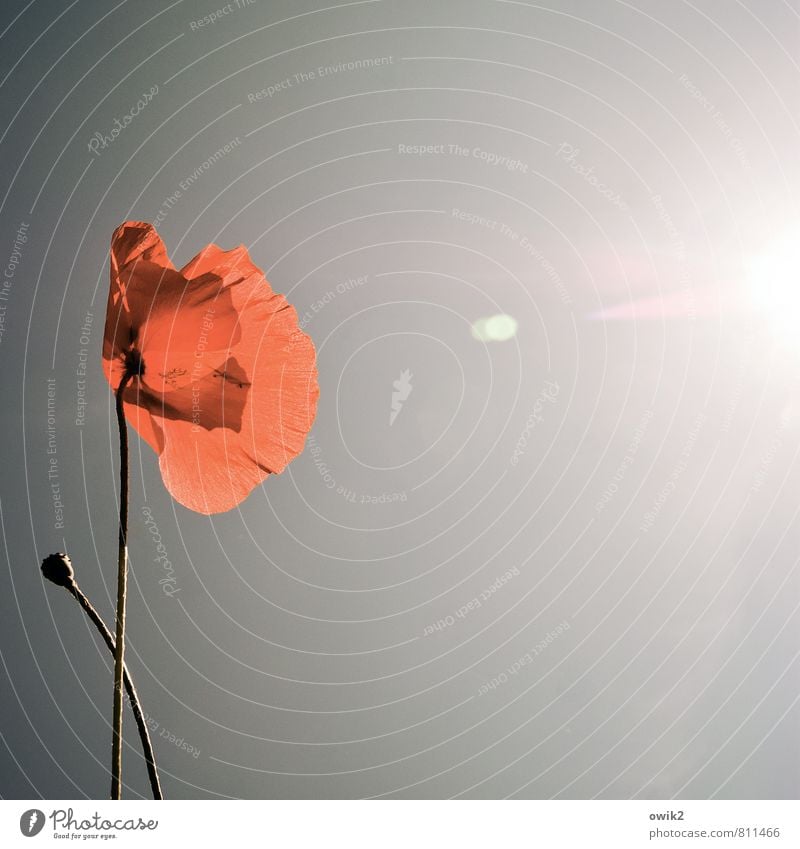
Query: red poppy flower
pixel 223 382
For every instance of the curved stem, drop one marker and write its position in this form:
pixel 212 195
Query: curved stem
pixel 122 577
pixel 144 734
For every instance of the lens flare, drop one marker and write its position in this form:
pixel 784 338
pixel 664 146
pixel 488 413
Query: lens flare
pixel 496 328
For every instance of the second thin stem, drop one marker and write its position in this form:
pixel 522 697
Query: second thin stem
pixel 133 698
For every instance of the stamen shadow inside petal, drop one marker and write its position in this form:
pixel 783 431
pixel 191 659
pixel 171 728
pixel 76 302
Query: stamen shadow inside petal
pixel 215 400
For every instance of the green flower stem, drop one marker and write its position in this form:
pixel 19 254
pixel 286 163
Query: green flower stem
pixel 122 578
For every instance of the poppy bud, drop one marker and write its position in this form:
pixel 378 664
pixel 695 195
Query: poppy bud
pixel 58 569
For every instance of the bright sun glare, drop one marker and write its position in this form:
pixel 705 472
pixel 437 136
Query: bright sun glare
pixel 772 282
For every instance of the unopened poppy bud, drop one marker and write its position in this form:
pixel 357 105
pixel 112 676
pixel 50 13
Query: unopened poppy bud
pixel 58 569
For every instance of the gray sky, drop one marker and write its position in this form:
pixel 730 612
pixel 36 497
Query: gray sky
pixel 560 564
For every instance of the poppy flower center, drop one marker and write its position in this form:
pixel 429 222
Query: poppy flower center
pixel 134 364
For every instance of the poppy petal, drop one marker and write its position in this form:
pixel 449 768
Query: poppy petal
pixel 140 267
pixel 206 470
pixel 144 424
pixel 215 400
pixel 211 471
pixel 137 240
pixel 229 266
pixel 188 334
